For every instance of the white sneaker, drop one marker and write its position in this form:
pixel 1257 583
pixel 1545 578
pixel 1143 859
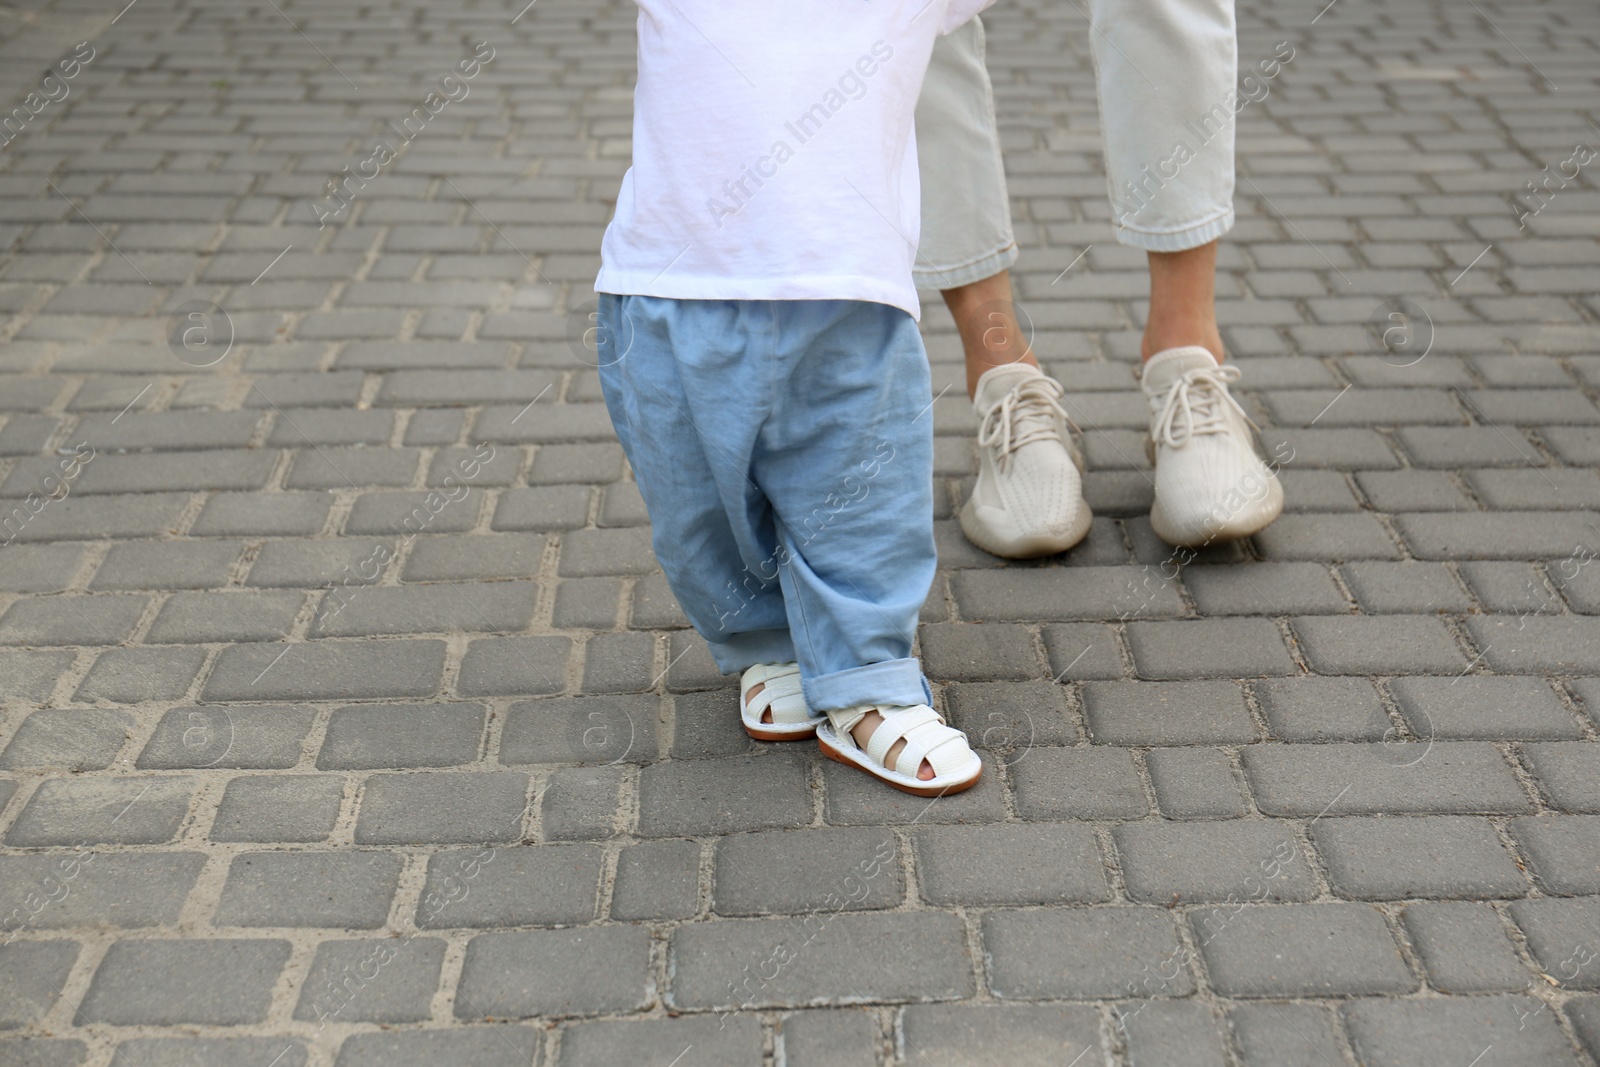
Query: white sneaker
pixel 1028 500
pixel 1211 483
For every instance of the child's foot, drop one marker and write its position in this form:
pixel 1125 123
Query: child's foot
pixel 772 706
pixel 1028 499
pixel 909 748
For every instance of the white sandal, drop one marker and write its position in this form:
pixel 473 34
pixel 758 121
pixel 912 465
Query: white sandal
pixel 955 766
pixel 781 695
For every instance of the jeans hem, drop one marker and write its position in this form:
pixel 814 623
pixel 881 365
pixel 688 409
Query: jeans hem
pixel 942 277
pixel 894 682
pixel 1177 240
pixel 745 650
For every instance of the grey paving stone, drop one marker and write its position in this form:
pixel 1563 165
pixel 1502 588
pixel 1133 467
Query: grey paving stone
pixel 492 1045
pixel 137 675
pixel 974 1035
pixel 967 652
pixel 350 468
pixel 846 1037
pixel 1464 947
pixel 478 556
pixel 654 607
pixel 39 568
pixel 694 797
pixel 515 666
pixel 541 885
pixel 1586 695
pixel 1213 862
pixel 67 740
pixel 442 807
pixel 1195 783
pixel 1378 644
pixel 1322 709
pixel 1057 594
pixel 1008 718
pixel 585 553
pixel 1564 851
pixel 691 665
pixel 1560 935
pixel 555 972
pixel 87 518
pixel 1512 587
pixel 262 515
pixel 415 512
pixel 883 956
pixel 1397 858
pixel 1384 588
pixel 1562 644
pixel 587 603
pixel 102 889
pixel 1410 778
pixel 336 426
pixel 32 974
pixel 164 983
pixel 1495 534
pixel 1554 489
pixel 1085 650
pixel 657 880
pixel 71 620
pixel 619 663
pixel 1061 953
pixel 141 810
pixel 167 565
pixel 374 980
pixel 1413 489
pixel 351 890
pixel 831 869
pixel 582 803
pixel 1325 538
pixel 1585 1015
pixel 327 670
pixel 503 607
pixel 42 1052
pixel 348 563
pixel 1180 1033
pixel 1079 783
pixel 1466 446
pixel 1445 1032
pixel 542 508
pixel 1300 950
pixel 226 616
pixel 255 738
pixel 31 675
pixel 1286 1035
pixel 1335 447
pixel 1167 713
pixel 1484 708
pixel 706 724
pixel 1272 588
pixel 210 1052
pixel 279 808
pixel 368 736
pixel 599 729
pixel 1568 773
pixel 1009 864
pixel 727 1041
pixel 1209 648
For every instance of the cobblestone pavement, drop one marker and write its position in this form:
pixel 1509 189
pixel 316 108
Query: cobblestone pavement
pixel 348 720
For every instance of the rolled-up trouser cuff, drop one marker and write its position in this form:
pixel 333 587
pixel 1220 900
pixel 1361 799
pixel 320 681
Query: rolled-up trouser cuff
pixel 1177 240
pixel 941 277
pixel 742 650
pixel 895 682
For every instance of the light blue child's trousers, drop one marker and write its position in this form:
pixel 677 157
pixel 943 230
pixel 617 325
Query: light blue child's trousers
pixel 785 452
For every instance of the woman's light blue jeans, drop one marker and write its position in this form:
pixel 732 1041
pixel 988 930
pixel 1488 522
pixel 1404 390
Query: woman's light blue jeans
pixel 784 450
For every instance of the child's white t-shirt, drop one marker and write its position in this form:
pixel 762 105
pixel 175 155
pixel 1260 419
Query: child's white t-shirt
pixel 774 153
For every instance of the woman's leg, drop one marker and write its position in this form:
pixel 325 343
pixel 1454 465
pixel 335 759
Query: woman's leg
pixel 1183 302
pixel 1028 498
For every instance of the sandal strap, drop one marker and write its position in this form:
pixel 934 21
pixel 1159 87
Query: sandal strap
pixel 944 748
pixel 781 694
pixel 898 723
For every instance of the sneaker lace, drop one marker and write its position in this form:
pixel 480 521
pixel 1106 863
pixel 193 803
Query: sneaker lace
pixel 1030 412
pixel 1197 403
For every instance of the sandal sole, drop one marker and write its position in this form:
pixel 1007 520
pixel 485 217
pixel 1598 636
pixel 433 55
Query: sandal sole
pixel 761 734
pixel 915 790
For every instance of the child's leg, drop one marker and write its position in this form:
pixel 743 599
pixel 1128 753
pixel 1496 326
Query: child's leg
pixel 712 529
pixel 846 458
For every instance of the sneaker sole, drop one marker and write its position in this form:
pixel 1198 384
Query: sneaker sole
pixel 1024 546
pixel 1232 531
